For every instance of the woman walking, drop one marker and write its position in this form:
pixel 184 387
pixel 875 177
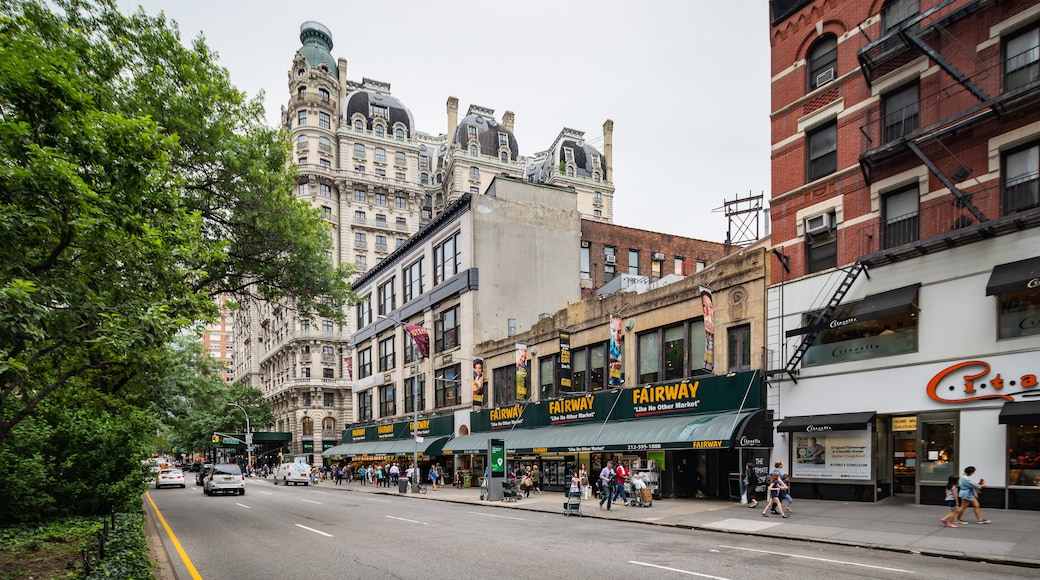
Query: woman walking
pixel 775 485
pixel 969 494
pixel 585 489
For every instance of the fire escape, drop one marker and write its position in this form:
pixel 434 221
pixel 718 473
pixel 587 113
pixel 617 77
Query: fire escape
pixel 969 97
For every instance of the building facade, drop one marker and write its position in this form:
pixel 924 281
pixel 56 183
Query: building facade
pixel 219 340
pixel 903 303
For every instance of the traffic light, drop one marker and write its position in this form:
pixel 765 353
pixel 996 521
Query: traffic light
pixel 216 438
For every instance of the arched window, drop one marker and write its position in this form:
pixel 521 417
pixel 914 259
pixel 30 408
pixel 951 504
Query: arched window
pixel 301 92
pixel 424 178
pixel 570 171
pixel 328 424
pixel 380 131
pixel 473 150
pixel 308 426
pixel 503 157
pixel 399 134
pixel 823 61
pixel 359 125
pixel 301 140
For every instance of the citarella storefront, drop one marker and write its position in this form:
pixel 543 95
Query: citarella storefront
pixel 678 435
pixel 903 431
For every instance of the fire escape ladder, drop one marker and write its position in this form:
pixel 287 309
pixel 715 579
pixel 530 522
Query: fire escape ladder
pixel 912 39
pixel 962 199
pixel 807 340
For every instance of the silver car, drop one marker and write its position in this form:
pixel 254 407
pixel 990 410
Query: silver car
pixel 224 477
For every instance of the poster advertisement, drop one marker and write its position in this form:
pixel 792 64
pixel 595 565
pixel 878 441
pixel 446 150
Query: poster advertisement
pixel 521 372
pixel 708 309
pixel 832 455
pixel 478 383
pixel 617 342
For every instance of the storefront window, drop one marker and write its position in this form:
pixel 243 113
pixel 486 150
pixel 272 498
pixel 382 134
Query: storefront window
pixel 674 351
pixel 597 363
pixel 649 358
pixel 1024 455
pixel 937 462
pixel 1019 313
pixel 865 331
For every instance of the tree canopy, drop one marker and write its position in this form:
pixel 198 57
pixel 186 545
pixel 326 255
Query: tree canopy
pixel 136 183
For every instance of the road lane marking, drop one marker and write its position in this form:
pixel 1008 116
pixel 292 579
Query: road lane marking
pixel 311 501
pixel 242 505
pixel 176 543
pixel 828 560
pixel 406 520
pixel 681 571
pixel 315 531
pixel 497 516
pixel 377 500
pixel 267 492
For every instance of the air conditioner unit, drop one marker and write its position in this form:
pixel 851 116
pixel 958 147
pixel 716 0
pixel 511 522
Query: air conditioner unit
pixel 825 77
pixel 657 257
pixel 820 224
pixel 610 258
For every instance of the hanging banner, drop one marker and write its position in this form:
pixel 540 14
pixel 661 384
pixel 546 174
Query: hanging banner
pixel 348 364
pixel 421 338
pixel 709 329
pixel 616 350
pixel 563 365
pixel 521 372
pixel 478 383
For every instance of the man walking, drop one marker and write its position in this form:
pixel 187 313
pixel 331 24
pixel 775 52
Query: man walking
pixel 607 479
pixel 622 477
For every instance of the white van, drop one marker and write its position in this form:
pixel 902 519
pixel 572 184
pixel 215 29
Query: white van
pixel 294 473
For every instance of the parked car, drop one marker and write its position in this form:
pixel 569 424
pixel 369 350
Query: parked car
pixel 203 472
pixel 169 478
pixel 294 473
pixel 195 467
pixel 224 477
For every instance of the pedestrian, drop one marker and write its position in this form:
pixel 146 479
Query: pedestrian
pixel 775 485
pixel 527 483
pixel 969 495
pixel 458 478
pixel 536 478
pixel 440 472
pixel 778 470
pixel 433 477
pixel 607 478
pixel 951 502
pixel 339 474
pixel 584 474
pixel 785 493
pixel 395 474
pixel 622 476
pixel 575 486
pixel 750 485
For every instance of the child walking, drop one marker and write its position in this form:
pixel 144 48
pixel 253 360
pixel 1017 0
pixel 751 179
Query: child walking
pixel 951 502
pixel 775 485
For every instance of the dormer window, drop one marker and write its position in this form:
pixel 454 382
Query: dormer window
pixel 380 131
pixel 503 140
pixel 379 111
pixel 359 125
pixel 399 134
pixel 568 154
pixel 472 131
pixel 473 150
pixel 504 157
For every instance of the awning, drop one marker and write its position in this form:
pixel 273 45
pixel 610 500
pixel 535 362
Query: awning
pixel 872 307
pixel 1020 275
pixel 836 422
pixel 706 431
pixel 430 446
pixel 1019 413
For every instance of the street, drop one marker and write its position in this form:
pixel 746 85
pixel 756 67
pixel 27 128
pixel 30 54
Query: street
pixel 298 532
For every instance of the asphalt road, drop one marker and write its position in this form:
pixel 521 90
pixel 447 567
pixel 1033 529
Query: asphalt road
pixel 310 532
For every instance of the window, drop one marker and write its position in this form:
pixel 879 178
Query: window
pixel 359 169
pixel 902 222
pixel 387 297
pixel 301 142
pixel 401 202
pixel 424 179
pixel 360 238
pixel 1023 451
pixel 474 173
pixel 822 253
pixel 326 212
pixel 424 162
pixel 446 259
pixel 399 134
pixel 359 218
pixel 503 380
pixel 325 145
pixel 504 157
pixel 547 377
pixel 328 373
pixel 360 196
pixel 633 262
pixel 324 121
pixel 411 350
pixel 305 372
pixel 1022 59
pixel 301 189
pixel 364 310
pixel 586 260
pixel 597 198
pixel 379 111
pixel 301 161
pixel 364 406
pixel 361 262
pixel 327 327
pixel 359 126
pixel 380 172
pixel 380 243
pixel 738 348
pixel 1020 190
pixel 649 357
pixel 568 154
pixel 609 272
pixel 308 422
pixel 446 386
pixel 413 280
pixel 823 151
pixel 474 189
pixel 305 325
pixel 328 423
pixel 446 329
pixel 414 395
pixel 323 95
pixel 899 109
pixel 381 219
pixel 503 140
pixel 864 337
pixel 364 363
pixel 896 12
pixel 325 190
pixel 301 92
pixel 325 163
pixel 359 150
pixel 1018 313
pixel 386 354
pixel 380 131
pixel 386 401
pixel 381 199
pixel 570 171
pixel 823 61
pixel 401 223
pixel 301 118
pixel 380 155
pixel 400 176
pixel 471 131
pixel 674 353
pixel 597 213
pixel 399 158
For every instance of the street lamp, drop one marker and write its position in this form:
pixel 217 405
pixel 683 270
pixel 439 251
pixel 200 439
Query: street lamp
pixel 249 436
pixel 416 472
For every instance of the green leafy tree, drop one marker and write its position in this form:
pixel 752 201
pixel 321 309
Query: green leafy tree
pixel 136 183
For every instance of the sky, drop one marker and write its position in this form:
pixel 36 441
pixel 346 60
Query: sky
pixel 686 82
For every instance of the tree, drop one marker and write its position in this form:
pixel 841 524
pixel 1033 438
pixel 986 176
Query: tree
pixel 136 183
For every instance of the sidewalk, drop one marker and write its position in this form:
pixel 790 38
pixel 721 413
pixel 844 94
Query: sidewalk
pixel 894 524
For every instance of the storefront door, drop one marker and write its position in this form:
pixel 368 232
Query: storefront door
pixel 904 462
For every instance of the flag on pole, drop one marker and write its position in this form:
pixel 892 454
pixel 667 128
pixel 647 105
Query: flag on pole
pixel 421 338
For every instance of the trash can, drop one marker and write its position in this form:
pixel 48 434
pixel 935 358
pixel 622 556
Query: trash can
pixel 402 485
pixel 466 480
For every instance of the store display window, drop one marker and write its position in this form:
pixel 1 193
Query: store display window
pixel 937 462
pixel 1019 313
pixel 1024 455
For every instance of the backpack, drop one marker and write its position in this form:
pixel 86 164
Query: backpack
pixel 613 478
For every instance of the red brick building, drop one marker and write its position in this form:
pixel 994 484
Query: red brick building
pixel 609 250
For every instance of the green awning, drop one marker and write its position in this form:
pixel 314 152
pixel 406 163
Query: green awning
pixel 706 431
pixel 430 446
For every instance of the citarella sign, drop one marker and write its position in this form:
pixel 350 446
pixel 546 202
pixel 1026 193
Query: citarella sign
pixel 974 380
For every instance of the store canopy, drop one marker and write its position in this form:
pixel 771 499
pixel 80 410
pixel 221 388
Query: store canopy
pixel 706 431
pixel 872 307
pixel 430 446
pixel 1019 413
pixel 1019 275
pixel 836 422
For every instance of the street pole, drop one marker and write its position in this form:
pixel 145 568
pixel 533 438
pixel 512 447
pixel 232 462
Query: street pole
pixel 249 436
pixel 415 428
